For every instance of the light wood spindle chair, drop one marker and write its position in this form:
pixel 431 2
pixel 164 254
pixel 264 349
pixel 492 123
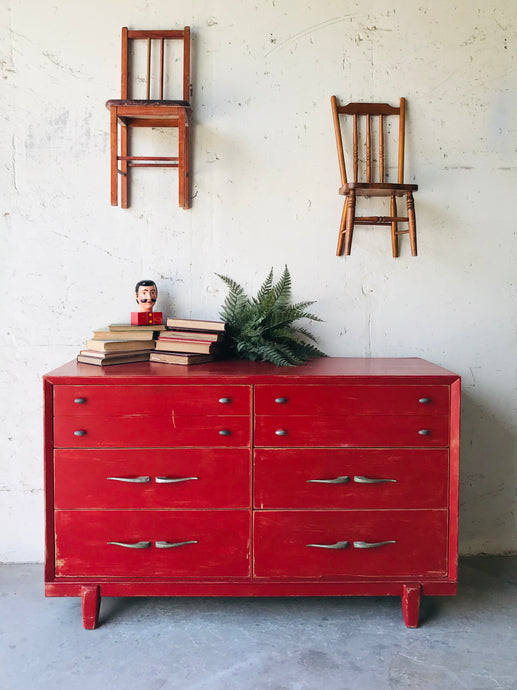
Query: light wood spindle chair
pixel 155 111
pixel 363 115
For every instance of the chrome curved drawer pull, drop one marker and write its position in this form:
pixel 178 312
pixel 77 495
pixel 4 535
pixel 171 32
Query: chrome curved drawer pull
pixel 225 401
pixel 225 432
pixel 337 545
pixel 424 432
pixel 424 401
pixel 173 480
pixel 173 545
pixel 79 401
pixel 371 544
pixel 281 401
pixel 131 480
pixel 128 545
pixel 337 480
pixel 281 432
pixel 371 480
pixel 79 432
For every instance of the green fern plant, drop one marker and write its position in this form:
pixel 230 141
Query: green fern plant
pixel 261 328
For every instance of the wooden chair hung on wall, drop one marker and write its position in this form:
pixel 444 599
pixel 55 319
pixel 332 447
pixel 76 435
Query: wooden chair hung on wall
pixel 368 118
pixel 151 107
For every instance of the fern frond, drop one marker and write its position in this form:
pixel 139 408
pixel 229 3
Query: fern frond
pixel 262 328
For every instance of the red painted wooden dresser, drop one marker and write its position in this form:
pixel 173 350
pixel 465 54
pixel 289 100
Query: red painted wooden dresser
pixel 233 478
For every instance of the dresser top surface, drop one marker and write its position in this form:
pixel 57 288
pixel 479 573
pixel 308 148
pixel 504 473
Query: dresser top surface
pixel 328 370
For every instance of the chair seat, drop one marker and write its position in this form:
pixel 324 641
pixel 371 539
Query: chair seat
pixel 121 103
pixel 377 189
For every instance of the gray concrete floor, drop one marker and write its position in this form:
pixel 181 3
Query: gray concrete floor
pixel 468 642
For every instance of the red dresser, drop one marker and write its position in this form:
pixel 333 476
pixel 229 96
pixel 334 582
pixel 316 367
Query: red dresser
pixel 233 478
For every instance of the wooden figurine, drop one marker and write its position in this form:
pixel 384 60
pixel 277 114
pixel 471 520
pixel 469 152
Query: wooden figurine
pixel 146 294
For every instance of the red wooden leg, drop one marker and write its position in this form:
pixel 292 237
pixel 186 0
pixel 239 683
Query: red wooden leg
pixel 411 596
pixel 91 600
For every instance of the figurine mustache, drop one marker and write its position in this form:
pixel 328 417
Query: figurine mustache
pixel 143 299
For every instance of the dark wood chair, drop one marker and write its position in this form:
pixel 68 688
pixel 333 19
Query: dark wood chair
pixel 152 111
pixel 363 124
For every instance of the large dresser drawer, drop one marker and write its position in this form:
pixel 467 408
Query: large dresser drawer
pixel 347 431
pixel 207 543
pixel 141 430
pixel 151 400
pixel 282 399
pixel 337 544
pixel 143 479
pixel 351 478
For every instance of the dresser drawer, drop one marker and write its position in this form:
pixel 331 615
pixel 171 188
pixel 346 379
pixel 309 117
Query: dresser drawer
pixel 293 544
pixel 151 400
pixel 386 430
pixel 352 478
pixel 140 431
pixel 144 479
pixel 347 400
pixel 220 543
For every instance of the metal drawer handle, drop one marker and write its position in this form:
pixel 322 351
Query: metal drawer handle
pixel 225 401
pixel 281 401
pixel 225 432
pixel 79 401
pixel 337 545
pixel 337 480
pixel 371 480
pixel 173 545
pixel 281 432
pixel 424 401
pixel 371 544
pixel 136 545
pixel 79 432
pixel 424 432
pixel 131 480
pixel 173 480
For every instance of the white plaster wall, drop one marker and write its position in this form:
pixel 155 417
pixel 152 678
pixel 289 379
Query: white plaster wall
pixel 265 181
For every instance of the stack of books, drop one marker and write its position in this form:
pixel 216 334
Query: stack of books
pixel 188 341
pixel 120 344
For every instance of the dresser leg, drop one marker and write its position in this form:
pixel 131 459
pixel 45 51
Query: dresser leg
pixel 411 596
pixel 91 600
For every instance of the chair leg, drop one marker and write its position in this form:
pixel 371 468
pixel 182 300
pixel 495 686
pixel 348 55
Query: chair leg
pixel 411 222
pixel 124 167
pixel 187 166
pixel 113 154
pixel 181 159
pixel 394 227
pixel 349 226
pixel 341 235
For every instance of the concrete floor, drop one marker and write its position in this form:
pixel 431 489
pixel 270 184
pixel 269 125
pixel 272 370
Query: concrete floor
pixel 468 642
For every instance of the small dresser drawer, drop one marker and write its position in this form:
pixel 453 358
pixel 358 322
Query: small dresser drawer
pixel 112 401
pixel 168 544
pixel 351 478
pixel 347 400
pixel 330 544
pixel 142 430
pixel 144 479
pixel 387 430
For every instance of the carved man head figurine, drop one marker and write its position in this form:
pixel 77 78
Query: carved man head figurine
pixel 146 294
